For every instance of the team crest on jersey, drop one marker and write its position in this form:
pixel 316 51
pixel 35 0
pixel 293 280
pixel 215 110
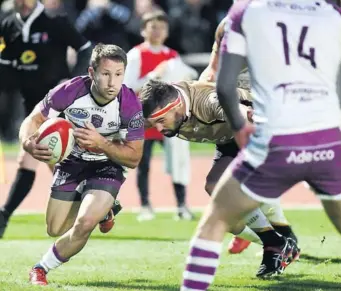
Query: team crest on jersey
pixel 96 120
pixel 136 121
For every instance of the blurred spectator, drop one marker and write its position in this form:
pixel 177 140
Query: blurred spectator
pixel 53 5
pixel 6 6
pixel 9 97
pixel 221 8
pixel 33 46
pixel 105 20
pixel 152 59
pixel 73 8
pixel 193 23
pixel 133 27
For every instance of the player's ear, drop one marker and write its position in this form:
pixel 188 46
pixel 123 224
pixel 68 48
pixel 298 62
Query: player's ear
pixel 91 72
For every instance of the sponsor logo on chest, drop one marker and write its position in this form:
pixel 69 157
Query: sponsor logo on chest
pixel 97 116
pixel 78 113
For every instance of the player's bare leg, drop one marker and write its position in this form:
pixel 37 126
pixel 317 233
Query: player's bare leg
pixel 257 227
pixel 228 206
pixel 95 205
pixel 242 232
pixel 60 216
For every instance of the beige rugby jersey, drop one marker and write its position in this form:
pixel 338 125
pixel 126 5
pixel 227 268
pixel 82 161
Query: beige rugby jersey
pixel 206 121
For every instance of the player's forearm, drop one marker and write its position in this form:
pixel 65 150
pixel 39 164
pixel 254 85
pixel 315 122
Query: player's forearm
pixel 28 128
pixel 226 89
pixel 31 124
pixel 122 153
pixel 214 60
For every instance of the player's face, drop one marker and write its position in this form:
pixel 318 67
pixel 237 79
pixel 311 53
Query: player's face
pixel 108 78
pixel 170 123
pixel 156 32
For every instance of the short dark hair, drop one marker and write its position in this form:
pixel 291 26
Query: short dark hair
pixel 107 51
pixel 154 15
pixel 155 94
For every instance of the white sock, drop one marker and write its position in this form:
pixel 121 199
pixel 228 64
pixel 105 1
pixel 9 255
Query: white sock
pixel 274 213
pixel 249 235
pixel 51 259
pixel 256 220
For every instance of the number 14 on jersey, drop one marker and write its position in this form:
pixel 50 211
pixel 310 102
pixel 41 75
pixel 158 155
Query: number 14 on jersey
pixel 310 56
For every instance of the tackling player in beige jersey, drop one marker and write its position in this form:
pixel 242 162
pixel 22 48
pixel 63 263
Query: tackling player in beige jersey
pixel 207 121
pixel 273 212
pixel 190 110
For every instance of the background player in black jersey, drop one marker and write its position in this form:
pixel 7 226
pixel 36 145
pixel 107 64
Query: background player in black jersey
pixel 33 59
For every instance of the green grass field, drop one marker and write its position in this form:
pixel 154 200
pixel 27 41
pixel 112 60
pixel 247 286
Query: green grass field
pixel 151 255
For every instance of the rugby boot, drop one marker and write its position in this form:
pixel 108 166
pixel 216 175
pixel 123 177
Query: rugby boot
pixel 109 221
pixel 37 276
pixel 276 259
pixel 288 233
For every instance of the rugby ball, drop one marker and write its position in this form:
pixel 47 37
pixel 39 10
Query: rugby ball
pixel 57 134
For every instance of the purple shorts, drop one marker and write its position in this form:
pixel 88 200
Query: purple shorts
pixel 314 157
pixel 73 177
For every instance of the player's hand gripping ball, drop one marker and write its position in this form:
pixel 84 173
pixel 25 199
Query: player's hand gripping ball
pixel 57 135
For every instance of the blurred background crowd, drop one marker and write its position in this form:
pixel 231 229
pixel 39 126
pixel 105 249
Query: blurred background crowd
pixel 192 26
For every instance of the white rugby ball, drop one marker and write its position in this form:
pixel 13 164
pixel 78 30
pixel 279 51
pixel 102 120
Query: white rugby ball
pixel 57 134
